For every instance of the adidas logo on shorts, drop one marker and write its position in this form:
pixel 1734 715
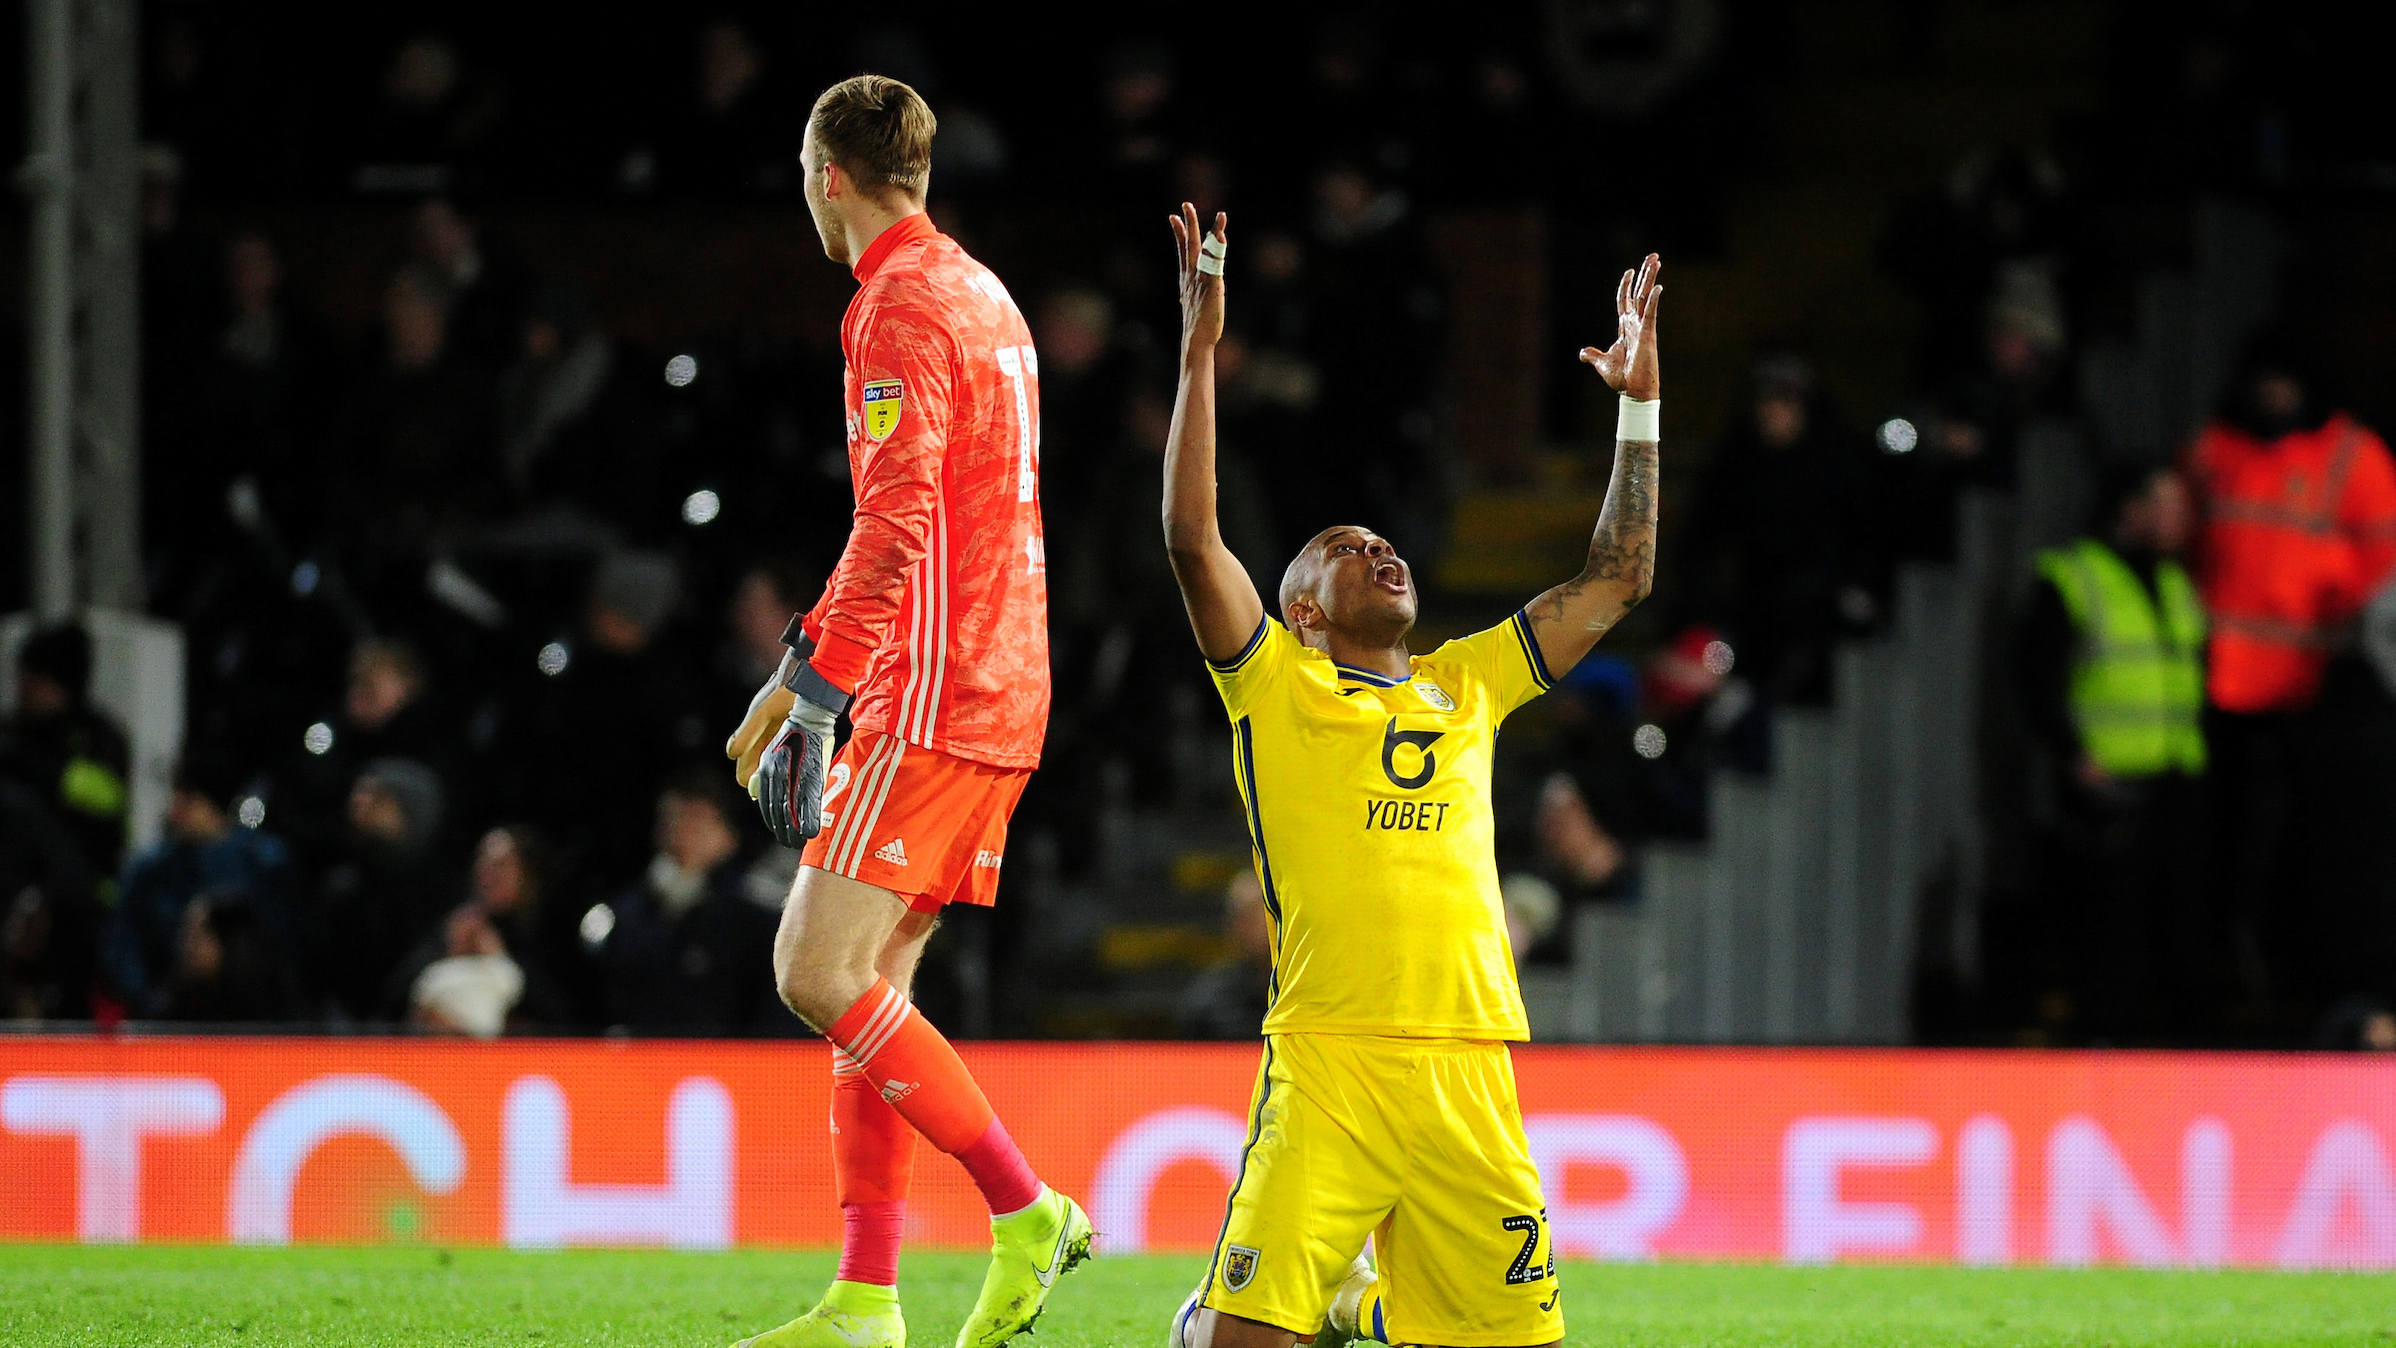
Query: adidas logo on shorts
pixel 894 852
pixel 895 1091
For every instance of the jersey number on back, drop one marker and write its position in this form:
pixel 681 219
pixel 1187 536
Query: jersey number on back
pixel 1021 366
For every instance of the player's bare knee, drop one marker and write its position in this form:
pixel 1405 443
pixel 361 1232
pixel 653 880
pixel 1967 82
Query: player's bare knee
pixel 795 991
pixel 811 999
pixel 817 990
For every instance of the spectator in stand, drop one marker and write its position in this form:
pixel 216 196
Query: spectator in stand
pixel 238 397
pixel 482 289
pixel 228 965
pixel 1229 1000
pixel 1137 129
pixel 180 296
pixel 1574 811
pixel 474 987
pixel 1775 538
pixel 2300 533
pixel 1353 101
pixel 733 139
pixel 69 752
pixel 686 950
pixel 1994 236
pixel 1085 374
pixel 411 442
pixel 622 678
pixel 386 712
pixel 384 887
pixel 765 597
pixel 206 852
pixel 264 393
pixel 385 706
pixel 1534 914
pixel 1696 717
pixel 433 123
pixel 49 917
pixel 767 594
pixel 1573 844
pixel 571 433
pixel 506 913
pixel 1374 337
pixel 2112 658
pixel 2299 506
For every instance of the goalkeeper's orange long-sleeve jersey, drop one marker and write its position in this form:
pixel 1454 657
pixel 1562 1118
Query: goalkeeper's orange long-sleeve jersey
pixel 937 616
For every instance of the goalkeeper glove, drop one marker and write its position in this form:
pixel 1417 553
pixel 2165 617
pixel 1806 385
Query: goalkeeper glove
pixel 790 778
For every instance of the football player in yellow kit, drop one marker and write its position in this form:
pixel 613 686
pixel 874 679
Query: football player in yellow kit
pixel 1385 1104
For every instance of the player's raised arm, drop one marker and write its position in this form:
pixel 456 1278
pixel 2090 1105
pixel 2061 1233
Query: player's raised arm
pixel 1223 603
pixel 1569 619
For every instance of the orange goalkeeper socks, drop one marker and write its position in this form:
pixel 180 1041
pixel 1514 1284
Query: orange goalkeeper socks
pixel 873 1163
pixel 916 1071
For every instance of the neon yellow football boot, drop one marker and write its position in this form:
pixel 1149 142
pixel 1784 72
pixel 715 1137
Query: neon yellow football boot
pixel 1028 1251
pixel 851 1315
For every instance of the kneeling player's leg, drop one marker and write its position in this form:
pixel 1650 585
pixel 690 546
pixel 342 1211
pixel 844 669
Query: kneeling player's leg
pixel 1321 1167
pixel 1466 1259
pixel 1205 1328
pixel 825 955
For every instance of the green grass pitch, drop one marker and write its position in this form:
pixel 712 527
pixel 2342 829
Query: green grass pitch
pixel 357 1298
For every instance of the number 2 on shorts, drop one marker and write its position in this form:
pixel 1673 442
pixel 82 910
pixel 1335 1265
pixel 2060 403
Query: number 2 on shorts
pixel 1521 1271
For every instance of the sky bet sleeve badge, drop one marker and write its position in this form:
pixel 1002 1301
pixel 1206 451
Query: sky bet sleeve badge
pixel 882 398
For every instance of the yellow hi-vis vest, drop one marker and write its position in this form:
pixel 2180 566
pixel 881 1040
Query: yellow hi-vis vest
pixel 2140 683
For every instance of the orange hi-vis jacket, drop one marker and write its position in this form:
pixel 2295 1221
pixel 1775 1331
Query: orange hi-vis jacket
pixel 2299 534
pixel 937 616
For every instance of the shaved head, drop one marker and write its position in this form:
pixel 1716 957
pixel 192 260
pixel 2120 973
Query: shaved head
pixel 1298 580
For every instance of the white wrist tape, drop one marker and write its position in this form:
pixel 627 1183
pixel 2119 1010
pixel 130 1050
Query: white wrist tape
pixel 1639 420
pixel 1211 252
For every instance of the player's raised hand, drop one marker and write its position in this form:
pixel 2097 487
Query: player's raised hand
pixel 1201 259
pixel 1630 365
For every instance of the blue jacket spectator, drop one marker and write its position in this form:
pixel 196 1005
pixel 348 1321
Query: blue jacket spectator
pixel 207 851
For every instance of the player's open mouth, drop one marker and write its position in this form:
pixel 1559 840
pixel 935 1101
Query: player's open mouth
pixel 1391 575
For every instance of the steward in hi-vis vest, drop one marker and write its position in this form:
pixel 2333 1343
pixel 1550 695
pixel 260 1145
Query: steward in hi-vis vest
pixel 2138 688
pixel 2112 653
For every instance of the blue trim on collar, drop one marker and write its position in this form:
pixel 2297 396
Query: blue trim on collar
pixel 1369 676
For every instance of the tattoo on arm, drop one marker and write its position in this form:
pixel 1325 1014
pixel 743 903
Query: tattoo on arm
pixel 1622 551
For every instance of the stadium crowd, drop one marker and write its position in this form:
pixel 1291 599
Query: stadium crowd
pixel 470 603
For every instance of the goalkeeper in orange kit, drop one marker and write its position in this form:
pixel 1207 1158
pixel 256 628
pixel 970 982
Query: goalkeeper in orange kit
pixel 932 636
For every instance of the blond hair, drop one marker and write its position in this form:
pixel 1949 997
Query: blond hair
pixel 878 130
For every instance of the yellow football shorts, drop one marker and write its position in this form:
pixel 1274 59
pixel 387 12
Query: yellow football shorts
pixel 1417 1142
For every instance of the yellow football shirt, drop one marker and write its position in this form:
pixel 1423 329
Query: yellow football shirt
pixel 1368 806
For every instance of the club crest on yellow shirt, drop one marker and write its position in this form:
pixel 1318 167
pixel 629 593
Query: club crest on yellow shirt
pixel 882 398
pixel 1435 695
pixel 1239 1268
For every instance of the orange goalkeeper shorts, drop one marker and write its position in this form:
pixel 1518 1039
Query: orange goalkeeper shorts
pixel 927 826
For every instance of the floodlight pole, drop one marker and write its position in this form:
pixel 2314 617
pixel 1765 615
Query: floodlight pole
pixel 83 318
pixel 48 179
pixel 108 279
